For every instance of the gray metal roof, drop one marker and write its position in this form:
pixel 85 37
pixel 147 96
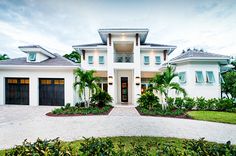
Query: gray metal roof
pixel 57 61
pixel 198 54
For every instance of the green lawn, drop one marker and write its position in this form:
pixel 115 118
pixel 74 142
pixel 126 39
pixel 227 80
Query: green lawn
pixel 224 117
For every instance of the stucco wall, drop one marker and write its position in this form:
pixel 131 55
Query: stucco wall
pixel 34 75
pixel 152 60
pixel 193 89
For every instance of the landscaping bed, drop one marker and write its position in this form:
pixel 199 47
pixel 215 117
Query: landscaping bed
pixel 80 111
pixel 215 116
pixel 178 113
pixel 121 146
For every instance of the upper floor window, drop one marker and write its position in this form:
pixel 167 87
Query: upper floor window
pixel 146 59
pixel 32 56
pixel 210 77
pixel 158 60
pixel 101 59
pixel 182 77
pixel 199 77
pixel 90 59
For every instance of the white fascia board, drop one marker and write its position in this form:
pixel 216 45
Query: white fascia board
pixel 216 59
pixel 36 67
pixel 170 49
pixel 80 48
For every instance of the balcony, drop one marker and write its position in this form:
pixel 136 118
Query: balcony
pixel 123 57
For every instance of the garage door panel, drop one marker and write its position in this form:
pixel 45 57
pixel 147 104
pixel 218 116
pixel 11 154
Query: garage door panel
pixel 16 91
pixel 51 92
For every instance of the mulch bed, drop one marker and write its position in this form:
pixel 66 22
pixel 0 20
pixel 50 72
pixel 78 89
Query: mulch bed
pixel 71 115
pixel 183 116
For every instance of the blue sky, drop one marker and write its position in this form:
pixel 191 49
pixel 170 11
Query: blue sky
pixel 58 24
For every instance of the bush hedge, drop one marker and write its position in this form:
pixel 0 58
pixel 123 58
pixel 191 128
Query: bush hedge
pixel 108 147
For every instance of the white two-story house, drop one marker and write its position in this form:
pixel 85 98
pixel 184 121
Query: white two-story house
pixel 124 62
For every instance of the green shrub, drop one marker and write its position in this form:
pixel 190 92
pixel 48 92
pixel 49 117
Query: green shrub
pixel 211 104
pixel 201 103
pixel 225 104
pixel 101 98
pixel 179 102
pixel 40 147
pixel 97 147
pixel 149 101
pixel 189 103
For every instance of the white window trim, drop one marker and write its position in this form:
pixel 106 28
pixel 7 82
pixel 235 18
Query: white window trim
pixel 207 77
pixel 103 62
pixel 196 77
pixel 157 63
pixel 146 63
pixel 185 81
pixel 89 61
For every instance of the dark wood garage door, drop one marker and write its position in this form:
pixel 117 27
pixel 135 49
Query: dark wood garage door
pixel 51 92
pixel 17 91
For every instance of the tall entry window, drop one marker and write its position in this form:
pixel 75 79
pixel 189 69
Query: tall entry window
pixel 17 91
pixel 124 89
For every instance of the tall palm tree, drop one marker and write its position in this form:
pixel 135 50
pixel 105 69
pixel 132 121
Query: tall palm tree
pixel 4 57
pixel 85 79
pixel 163 82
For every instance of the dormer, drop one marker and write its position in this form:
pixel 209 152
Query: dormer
pixel 36 53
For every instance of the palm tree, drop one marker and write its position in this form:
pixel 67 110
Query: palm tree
pixel 85 79
pixel 4 57
pixel 163 82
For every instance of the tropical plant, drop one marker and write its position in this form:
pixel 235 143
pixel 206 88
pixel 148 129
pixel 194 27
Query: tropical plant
pixel 4 57
pixel 85 79
pixel 163 82
pixel 73 56
pixel 149 101
pixel 101 98
pixel 229 84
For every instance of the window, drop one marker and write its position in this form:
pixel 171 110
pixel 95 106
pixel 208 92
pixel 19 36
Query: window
pixel 210 77
pixel 32 56
pixel 182 77
pixel 199 77
pixel 101 59
pixel 143 88
pixel 146 59
pixel 104 87
pixel 158 60
pixel 90 59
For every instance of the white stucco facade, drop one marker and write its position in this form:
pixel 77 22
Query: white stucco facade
pixel 204 89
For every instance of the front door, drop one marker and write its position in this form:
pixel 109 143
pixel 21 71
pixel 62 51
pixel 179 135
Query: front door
pixel 124 89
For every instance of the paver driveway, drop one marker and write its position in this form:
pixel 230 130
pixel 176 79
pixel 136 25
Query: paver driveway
pixel 20 122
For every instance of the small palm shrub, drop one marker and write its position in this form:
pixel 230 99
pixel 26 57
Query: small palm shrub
pixel 189 103
pixel 149 101
pixel 201 103
pixel 225 104
pixel 101 98
pixel 179 102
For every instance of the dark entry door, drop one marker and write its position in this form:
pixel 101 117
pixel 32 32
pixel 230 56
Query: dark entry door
pixel 51 92
pixel 17 91
pixel 124 89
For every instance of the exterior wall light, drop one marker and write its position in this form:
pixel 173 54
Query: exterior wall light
pixel 137 80
pixel 110 80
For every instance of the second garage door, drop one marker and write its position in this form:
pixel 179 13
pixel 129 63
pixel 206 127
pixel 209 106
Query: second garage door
pixel 51 92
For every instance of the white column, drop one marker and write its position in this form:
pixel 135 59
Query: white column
pixel 110 70
pixel 2 91
pixel 136 72
pixel 34 91
pixel 69 89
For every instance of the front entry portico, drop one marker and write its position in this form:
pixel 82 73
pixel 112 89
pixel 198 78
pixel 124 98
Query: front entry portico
pixel 124 87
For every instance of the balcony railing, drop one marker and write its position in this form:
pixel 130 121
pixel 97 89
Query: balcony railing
pixel 124 57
